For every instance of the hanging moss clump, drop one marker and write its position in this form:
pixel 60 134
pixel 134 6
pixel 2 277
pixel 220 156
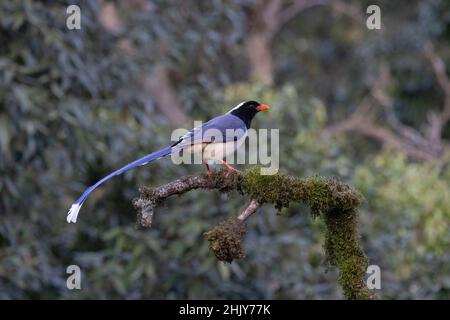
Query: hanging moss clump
pixel 225 240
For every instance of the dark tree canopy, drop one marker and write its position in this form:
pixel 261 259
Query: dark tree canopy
pixel 370 107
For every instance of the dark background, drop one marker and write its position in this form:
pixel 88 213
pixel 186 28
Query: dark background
pixel 368 106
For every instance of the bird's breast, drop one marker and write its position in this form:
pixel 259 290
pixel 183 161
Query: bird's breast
pixel 219 150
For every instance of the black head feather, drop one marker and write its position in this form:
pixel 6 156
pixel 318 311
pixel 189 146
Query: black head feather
pixel 246 111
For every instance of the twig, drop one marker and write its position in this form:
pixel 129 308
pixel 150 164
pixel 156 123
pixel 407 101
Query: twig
pixel 249 210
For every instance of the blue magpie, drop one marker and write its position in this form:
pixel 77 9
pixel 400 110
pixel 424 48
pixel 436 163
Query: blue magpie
pixel 213 140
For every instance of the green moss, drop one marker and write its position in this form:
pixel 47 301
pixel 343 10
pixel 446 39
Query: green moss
pixel 321 194
pixel 343 250
pixel 267 188
pixel 331 199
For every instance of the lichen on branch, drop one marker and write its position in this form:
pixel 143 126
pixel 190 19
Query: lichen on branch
pixel 328 198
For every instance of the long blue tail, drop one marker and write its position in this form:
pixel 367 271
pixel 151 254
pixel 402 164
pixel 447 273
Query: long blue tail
pixel 76 206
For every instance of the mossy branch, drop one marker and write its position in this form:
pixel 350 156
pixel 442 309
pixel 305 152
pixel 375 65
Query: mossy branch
pixel 328 198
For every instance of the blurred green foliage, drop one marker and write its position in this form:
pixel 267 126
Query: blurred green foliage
pixel 412 202
pixel 72 109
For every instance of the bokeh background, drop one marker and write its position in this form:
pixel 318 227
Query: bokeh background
pixel 368 106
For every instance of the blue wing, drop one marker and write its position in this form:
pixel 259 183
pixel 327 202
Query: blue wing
pixel 223 128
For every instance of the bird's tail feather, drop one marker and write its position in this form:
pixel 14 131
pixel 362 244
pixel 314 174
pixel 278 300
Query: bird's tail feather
pixel 76 206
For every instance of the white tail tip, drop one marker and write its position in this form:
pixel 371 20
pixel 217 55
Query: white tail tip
pixel 73 213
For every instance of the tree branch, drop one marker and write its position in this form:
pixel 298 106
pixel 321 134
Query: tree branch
pixel 349 10
pixel 293 10
pixel 249 210
pixel 268 17
pixel 380 95
pixel 397 136
pixel 328 198
pixel 438 120
pixel 159 85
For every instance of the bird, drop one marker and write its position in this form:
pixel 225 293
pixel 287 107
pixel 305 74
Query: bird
pixel 230 131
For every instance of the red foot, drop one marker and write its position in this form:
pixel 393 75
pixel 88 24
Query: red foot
pixel 230 168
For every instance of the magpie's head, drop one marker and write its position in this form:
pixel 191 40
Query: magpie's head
pixel 247 110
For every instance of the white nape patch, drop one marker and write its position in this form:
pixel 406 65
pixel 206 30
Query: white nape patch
pixel 237 107
pixel 73 213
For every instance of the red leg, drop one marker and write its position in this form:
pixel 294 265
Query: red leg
pixel 230 168
pixel 208 172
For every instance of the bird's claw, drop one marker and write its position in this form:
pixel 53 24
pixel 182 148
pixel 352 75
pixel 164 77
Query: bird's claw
pixel 230 171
